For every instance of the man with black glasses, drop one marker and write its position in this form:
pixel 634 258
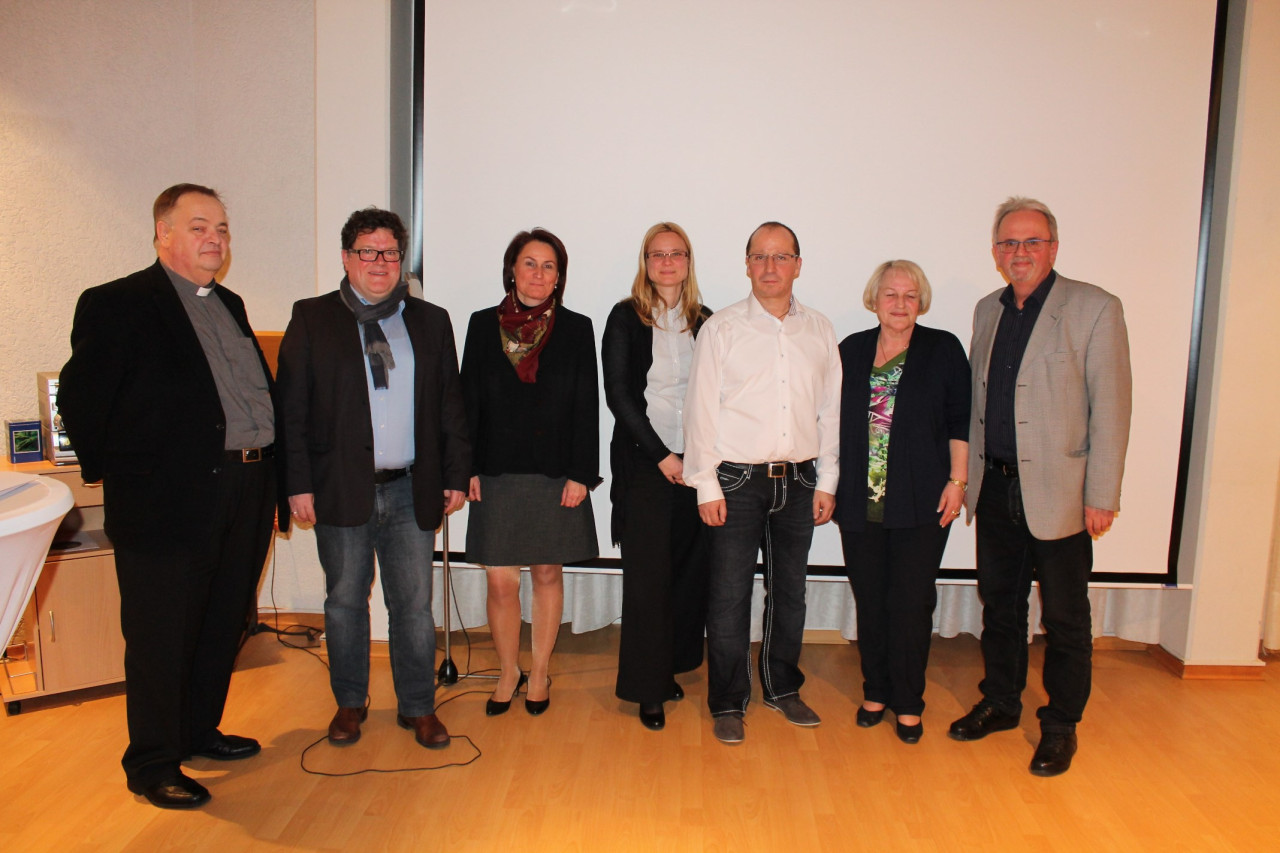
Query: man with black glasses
pixel 1050 424
pixel 376 452
pixel 762 425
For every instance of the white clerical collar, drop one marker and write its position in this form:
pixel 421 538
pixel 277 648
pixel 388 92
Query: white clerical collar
pixel 181 280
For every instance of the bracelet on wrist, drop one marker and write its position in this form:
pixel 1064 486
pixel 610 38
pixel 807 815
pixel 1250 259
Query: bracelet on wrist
pixel 964 487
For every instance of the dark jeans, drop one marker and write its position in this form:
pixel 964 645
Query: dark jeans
pixel 1008 557
pixel 776 515
pixel 184 605
pixel 893 572
pixel 405 561
pixel 664 584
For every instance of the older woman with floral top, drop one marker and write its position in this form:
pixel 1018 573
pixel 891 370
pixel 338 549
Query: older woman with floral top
pixel 902 483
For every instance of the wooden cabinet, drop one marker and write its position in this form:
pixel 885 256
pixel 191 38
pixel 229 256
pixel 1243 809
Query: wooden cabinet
pixel 69 637
pixel 78 614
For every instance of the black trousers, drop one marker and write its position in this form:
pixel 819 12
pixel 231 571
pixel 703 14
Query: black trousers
pixel 894 572
pixel 184 606
pixel 1008 557
pixel 664 584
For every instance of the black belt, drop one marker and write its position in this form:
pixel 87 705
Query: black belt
pixel 776 470
pixel 389 475
pixel 1008 469
pixel 249 454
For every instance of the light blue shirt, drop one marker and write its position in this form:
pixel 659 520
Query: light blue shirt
pixel 391 408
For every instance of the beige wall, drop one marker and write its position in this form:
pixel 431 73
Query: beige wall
pixel 102 105
pixel 352 161
pixel 1237 463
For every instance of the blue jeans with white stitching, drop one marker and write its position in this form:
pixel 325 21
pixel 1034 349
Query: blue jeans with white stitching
pixel 773 515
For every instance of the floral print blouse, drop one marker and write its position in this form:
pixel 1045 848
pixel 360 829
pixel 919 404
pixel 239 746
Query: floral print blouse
pixel 884 390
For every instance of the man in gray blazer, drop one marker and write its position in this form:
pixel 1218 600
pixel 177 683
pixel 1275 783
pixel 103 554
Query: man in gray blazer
pixel 1050 425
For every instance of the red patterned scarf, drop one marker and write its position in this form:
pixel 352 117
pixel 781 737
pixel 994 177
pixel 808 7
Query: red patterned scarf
pixel 525 332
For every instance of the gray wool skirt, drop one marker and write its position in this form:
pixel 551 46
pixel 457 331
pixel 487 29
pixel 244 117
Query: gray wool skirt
pixel 519 522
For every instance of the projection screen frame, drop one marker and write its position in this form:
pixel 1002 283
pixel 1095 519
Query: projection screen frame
pixel 407 193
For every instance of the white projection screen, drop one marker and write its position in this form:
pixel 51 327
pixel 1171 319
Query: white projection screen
pixel 876 130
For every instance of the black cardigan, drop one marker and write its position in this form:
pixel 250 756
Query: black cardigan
pixel 549 427
pixel 931 409
pixel 627 352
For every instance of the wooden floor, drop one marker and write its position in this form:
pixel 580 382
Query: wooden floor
pixel 1164 764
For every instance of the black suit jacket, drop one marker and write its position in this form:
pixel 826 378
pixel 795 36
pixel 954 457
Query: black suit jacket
pixel 549 427
pixel 931 409
pixel 141 408
pixel 324 400
pixel 627 353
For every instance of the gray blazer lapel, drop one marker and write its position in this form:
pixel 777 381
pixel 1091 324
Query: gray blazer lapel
pixel 985 323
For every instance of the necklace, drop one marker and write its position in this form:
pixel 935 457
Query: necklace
pixel 884 355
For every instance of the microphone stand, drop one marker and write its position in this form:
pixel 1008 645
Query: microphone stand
pixel 448 671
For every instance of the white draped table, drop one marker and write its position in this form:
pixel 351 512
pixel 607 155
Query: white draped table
pixel 30 509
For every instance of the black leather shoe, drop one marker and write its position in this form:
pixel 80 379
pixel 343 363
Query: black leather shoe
pixel 982 721
pixel 536 706
pixel 493 707
pixel 867 719
pixel 677 692
pixel 909 734
pixel 173 792
pixel 652 715
pixel 228 747
pixel 1053 755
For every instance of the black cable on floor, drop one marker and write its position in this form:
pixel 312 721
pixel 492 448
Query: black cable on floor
pixel 313 635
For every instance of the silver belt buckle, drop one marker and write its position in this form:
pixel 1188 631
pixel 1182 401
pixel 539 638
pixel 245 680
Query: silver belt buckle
pixel 777 470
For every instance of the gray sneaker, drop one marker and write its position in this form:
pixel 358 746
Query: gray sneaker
pixel 794 709
pixel 728 728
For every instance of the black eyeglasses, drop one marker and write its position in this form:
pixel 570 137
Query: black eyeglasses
pixel 391 256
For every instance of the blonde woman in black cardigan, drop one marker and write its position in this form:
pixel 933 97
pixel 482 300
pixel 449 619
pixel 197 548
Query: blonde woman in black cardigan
pixel 647 351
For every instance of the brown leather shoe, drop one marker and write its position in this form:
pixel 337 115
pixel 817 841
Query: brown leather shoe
pixel 428 731
pixel 344 729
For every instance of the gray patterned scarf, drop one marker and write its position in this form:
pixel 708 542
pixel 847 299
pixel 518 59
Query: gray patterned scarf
pixel 375 342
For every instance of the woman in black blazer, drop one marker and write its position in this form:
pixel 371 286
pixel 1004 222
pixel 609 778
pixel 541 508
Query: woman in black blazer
pixel 531 390
pixel 904 453
pixel 647 350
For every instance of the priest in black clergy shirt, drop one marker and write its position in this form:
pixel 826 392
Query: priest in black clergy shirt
pixel 167 401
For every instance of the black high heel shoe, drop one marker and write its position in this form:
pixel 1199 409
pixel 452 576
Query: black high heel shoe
pixel 537 706
pixel 493 707
pixel 652 715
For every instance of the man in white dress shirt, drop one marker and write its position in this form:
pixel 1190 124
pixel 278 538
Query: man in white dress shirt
pixel 762 425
